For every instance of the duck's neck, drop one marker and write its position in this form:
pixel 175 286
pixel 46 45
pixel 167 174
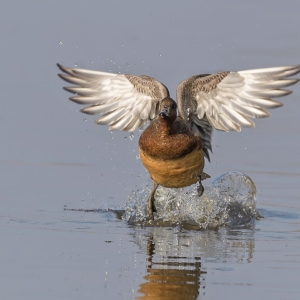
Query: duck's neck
pixel 164 126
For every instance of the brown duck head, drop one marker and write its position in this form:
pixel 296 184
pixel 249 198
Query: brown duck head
pixel 168 110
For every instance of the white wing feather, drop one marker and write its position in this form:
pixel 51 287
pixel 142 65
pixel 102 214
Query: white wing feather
pixel 227 100
pixel 124 102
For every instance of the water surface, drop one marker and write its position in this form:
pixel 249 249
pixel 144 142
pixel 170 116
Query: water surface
pixel 54 159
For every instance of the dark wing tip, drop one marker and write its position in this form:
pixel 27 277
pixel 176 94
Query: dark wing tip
pixel 62 68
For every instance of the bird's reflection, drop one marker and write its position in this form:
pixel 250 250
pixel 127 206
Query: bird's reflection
pixel 175 260
pixel 170 277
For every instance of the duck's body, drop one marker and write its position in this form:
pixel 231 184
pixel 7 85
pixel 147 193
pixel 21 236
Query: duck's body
pixel 172 148
pixel 170 151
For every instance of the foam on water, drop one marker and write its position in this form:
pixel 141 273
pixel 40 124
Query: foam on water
pixel 229 200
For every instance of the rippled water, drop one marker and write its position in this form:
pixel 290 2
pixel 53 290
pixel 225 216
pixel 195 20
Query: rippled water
pixel 230 200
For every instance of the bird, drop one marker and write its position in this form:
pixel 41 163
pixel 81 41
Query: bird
pixel 179 135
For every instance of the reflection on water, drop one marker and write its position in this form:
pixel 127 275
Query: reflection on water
pixel 180 261
pixel 230 200
pixel 172 277
pixel 176 260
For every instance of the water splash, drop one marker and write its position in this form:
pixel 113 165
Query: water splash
pixel 229 200
pixel 131 136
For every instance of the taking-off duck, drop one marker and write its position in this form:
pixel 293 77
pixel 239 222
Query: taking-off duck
pixel 172 148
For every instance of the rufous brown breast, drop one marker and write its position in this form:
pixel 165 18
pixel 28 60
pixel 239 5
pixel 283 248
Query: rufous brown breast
pixel 169 150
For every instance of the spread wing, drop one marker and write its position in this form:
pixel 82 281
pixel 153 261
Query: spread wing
pixel 123 101
pixel 227 100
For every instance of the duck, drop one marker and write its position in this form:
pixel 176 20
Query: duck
pixel 178 139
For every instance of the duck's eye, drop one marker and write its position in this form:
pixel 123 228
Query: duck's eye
pixel 173 106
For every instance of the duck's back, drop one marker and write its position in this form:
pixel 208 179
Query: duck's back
pixel 173 156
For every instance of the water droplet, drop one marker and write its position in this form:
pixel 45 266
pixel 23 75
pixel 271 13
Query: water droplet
pixel 127 64
pixel 159 54
pixel 125 138
pixel 131 136
pixel 84 119
pixel 61 42
pixel 137 157
pixel 122 45
pixel 91 61
pixel 75 65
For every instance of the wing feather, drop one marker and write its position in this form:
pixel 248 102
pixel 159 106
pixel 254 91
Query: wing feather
pixel 227 100
pixel 123 101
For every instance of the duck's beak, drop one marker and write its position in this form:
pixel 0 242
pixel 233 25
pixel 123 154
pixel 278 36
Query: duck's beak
pixel 164 112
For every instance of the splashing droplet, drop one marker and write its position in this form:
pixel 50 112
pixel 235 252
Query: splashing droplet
pixel 61 42
pixel 229 200
pixel 131 136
